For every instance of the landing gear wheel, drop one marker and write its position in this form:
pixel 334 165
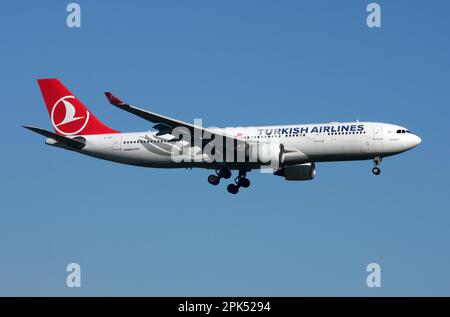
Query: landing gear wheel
pixel 213 180
pixel 233 189
pixel 243 182
pixel 376 170
pixel 225 173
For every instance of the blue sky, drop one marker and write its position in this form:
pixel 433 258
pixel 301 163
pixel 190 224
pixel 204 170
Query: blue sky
pixel 137 231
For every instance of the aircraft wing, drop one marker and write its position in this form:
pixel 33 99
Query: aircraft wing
pixel 165 124
pixel 59 138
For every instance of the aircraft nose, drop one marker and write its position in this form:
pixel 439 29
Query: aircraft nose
pixel 416 140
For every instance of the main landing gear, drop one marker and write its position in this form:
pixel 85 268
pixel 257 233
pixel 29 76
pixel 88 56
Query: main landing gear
pixel 222 172
pixel 376 170
pixel 240 181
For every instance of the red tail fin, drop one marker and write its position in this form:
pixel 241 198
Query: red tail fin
pixel 68 115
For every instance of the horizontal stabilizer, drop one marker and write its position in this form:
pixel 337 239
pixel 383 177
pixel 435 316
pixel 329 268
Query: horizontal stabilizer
pixel 67 141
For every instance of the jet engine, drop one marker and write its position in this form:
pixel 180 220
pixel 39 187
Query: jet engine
pixel 299 172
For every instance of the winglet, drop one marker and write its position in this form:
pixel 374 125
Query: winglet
pixel 113 99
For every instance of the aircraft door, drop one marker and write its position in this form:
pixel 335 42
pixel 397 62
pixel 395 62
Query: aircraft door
pixel 318 137
pixel 378 132
pixel 117 143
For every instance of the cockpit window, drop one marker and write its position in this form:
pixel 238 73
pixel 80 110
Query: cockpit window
pixel 403 131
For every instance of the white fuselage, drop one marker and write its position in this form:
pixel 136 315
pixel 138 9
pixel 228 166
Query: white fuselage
pixel 307 143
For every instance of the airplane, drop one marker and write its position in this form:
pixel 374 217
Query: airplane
pixel 289 151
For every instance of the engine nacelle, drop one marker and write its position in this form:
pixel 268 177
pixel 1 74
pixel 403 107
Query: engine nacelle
pixel 299 172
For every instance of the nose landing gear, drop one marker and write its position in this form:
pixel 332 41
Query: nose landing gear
pixel 376 170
